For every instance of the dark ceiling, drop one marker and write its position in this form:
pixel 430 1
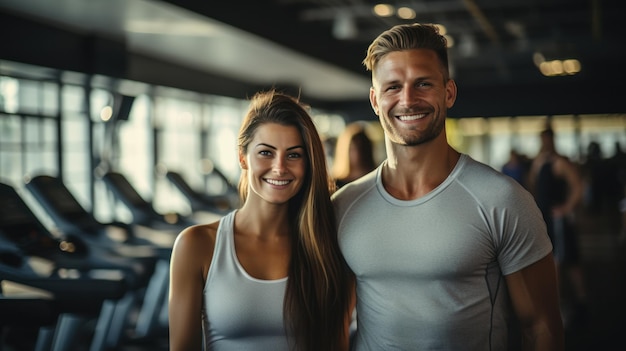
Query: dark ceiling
pixel 492 56
pixel 495 41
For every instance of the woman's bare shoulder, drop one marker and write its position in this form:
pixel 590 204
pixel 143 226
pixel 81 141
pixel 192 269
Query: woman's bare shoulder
pixel 200 232
pixel 198 238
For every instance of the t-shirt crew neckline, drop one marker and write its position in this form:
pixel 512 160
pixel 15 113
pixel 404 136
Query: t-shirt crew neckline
pixel 406 203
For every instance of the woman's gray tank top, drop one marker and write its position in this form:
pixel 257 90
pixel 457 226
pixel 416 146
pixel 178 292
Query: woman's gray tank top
pixel 240 312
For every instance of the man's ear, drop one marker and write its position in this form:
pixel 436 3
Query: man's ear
pixel 373 100
pixel 451 93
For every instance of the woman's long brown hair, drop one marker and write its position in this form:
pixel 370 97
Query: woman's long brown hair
pixel 318 293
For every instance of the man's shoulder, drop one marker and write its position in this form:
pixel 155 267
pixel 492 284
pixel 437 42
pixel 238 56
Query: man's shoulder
pixel 350 193
pixel 356 186
pixel 479 177
pixel 480 171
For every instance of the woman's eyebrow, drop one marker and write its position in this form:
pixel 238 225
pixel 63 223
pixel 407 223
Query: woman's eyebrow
pixel 274 147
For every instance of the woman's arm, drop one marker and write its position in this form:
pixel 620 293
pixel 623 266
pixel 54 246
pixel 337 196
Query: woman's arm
pixel 191 257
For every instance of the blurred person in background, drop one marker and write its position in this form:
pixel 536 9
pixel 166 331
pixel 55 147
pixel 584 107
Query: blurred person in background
pixel 354 154
pixel 269 275
pixel 517 167
pixel 558 189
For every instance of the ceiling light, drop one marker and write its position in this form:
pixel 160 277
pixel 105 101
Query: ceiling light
pixel 545 69
pixel 449 40
pixel 556 67
pixel 441 28
pixel 406 13
pixel 383 10
pixel 571 66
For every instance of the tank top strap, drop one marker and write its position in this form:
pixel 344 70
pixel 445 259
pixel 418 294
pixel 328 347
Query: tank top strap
pixel 225 231
pixel 223 262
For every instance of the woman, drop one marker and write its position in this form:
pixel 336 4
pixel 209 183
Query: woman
pixel 354 154
pixel 268 276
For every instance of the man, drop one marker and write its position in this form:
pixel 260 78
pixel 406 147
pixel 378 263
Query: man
pixel 448 253
pixel 558 189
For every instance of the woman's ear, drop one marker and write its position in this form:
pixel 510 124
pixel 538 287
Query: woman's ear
pixel 242 161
